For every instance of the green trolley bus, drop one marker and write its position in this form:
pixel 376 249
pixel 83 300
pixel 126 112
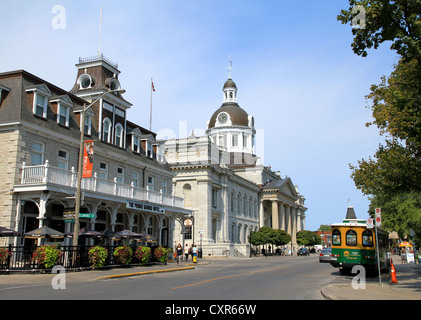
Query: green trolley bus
pixel 355 244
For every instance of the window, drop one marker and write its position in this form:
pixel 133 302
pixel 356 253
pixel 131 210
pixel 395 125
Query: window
pixel 235 140
pixel 164 187
pixel 245 138
pixel 63 115
pixel 103 170
pixel 106 127
pixel 367 238
pixel 40 105
pixel 351 238
pixel 37 153
pixel 135 179
pixel 214 197
pixel 336 237
pixel 119 135
pixel 151 183
pixel 149 149
pixel 136 144
pixel 63 159
pixel 88 125
pixel 85 81
pixel 120 175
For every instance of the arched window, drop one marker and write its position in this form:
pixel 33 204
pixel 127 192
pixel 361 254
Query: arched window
pixel 106 130
pixel 336 237
pixel 351 238
pixel 367 238
pixel 119 135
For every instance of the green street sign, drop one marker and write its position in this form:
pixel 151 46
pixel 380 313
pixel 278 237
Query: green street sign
pixel 86 215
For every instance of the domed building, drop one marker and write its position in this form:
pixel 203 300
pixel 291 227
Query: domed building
pixel 225 184
pixel 230 127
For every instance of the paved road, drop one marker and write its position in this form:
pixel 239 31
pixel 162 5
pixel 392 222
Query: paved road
pixel 272 278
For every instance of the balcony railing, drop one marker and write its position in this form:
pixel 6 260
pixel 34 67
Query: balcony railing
pixel 43 174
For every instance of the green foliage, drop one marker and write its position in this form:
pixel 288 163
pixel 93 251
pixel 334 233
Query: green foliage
pixel 268 235
pixel 393 176
pixel 123 254
pixel 308 238
pixel 385 20
pixel 97 256
pixel 143 254
pixel 47 255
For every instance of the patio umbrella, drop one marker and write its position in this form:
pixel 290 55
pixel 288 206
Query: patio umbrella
pixel 126 234
pixel 84 232
pixel 6 232
pixel 148 237
pixel 108 233
pixel 405 244
pixel 42 233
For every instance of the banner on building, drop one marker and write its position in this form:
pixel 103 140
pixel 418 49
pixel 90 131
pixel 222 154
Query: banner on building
pixel 88 155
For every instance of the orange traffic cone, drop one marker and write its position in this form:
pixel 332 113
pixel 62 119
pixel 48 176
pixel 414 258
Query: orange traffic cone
pixel 392 272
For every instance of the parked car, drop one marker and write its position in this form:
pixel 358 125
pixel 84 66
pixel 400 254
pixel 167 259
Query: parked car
pixel 303 252
pixel 325 255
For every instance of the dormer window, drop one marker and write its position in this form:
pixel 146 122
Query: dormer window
pixel 40 99
pixel 119 135
pixel 40 105
pixel 62 105
pixel 85 81
pixel 136 144
pixel 106 134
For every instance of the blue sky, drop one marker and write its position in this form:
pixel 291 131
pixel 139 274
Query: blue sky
pixel 294 69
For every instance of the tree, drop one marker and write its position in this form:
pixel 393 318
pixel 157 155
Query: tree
pixel 268 235
pixel 377 21
pixel 392 178
pixel 308 238
pixel 324 227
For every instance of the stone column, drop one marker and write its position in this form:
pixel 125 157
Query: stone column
pixel 282 216
pixel 294 225
pixel 288 220
pixel 261 214
pixel 275 215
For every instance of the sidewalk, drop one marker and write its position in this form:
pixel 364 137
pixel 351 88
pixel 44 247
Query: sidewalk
pixel 407 288
pixel 94 275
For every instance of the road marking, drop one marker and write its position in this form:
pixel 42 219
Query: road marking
pixel 227 277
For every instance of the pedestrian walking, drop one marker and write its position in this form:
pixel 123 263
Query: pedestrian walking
pixel 179 251
pixel 194 254
pixel 186 252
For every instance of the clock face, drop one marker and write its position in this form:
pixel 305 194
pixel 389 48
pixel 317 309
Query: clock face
pixel 222 117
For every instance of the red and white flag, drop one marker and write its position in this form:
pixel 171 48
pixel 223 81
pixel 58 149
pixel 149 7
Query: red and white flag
pixel 153 87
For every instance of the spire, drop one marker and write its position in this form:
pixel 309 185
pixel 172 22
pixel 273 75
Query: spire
pixel 230 89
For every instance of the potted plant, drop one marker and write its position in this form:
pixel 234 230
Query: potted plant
pixel 4 254
pixel 123 254
pixel 47 255
pixel 143 254
pixel 161 254
pixel 97 256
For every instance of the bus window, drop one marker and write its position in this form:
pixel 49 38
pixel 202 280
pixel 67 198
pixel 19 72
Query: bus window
pixel 351 238
pixel 367 238
pixel 336 237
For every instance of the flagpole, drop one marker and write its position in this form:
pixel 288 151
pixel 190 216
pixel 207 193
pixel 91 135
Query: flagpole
pixel 150 120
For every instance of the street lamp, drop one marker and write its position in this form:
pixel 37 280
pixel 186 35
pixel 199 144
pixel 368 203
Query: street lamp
pixel 80 165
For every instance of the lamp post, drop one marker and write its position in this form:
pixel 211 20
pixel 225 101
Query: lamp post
pixel 80 165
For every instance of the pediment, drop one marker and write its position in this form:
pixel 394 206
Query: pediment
pixel 283 186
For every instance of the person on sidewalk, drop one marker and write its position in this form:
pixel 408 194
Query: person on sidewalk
pixel 186 252
pixel 179 251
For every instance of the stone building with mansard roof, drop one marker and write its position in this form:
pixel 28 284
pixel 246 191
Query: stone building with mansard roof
pixel 40 128
pixel 226 185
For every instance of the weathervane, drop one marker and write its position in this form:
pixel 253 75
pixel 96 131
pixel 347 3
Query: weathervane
pixel 229 67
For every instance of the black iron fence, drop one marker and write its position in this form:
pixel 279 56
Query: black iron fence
pixel 21 258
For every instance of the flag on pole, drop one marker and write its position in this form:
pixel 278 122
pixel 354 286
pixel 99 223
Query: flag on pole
pixel 153 87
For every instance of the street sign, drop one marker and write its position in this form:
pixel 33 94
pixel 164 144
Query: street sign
pixel 370 223
pixel 86 215
pixel 378 217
